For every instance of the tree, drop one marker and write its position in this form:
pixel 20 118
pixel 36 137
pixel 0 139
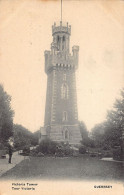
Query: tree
pixel 110 133
pixel 86 141
pixel 115 123
pixel 6 116
pixel 37 135
pixel 22 137
pixel 98 134
pixel 83 130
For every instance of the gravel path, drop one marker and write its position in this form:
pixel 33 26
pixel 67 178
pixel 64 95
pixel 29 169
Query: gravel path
pixel 5 166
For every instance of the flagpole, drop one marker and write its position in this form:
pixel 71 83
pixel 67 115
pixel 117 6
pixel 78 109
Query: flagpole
pixel 61 10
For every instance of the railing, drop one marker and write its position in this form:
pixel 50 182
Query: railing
pixel 56 29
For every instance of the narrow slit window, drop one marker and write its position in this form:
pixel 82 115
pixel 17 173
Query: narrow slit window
pixel 64 91
pixel 65 116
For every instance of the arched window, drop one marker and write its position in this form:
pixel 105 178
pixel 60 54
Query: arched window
pixel 65 133
pixel 64 91
pixel 58 42
pixel 63 42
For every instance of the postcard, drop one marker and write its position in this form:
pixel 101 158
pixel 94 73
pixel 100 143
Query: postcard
pixel 61 97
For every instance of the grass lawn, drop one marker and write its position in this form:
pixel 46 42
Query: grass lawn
pixel 72 168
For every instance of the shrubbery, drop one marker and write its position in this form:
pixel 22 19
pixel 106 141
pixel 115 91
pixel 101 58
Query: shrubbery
pixel 2 146
pixel 82 149
pixel 107 153
pixel 64 150
pixel 47 147
pixel 26 150
pixel 117 154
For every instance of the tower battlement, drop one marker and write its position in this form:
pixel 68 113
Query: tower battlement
pixel 60 60
pixel 61 29
pixel 59 55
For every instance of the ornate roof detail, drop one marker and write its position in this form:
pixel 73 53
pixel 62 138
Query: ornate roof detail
pixel 61 28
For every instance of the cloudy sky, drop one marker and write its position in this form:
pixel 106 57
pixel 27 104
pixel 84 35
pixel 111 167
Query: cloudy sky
pixel 25 32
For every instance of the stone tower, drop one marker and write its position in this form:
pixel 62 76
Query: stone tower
pixel 61 115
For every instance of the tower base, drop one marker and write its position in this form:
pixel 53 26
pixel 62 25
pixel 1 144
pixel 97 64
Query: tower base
pixel 64 133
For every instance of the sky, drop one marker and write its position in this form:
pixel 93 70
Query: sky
pixel 25 33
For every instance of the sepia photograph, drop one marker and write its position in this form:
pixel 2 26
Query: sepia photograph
pixel 61 97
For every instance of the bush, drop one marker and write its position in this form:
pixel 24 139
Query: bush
pixel 106 147
pixel 64 149
pixel 117 154
pixel 40 154
pixel 107 154
pixel 67 151
pixel 26 150
pixel 34 152
pixel 53 148
pixel 82 149
pixel 47 147
pixel 93 154
pixel 2 147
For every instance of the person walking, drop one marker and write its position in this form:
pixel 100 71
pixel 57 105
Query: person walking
pixel 10 154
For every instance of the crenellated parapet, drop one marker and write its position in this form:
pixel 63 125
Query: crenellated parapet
pixel 60 59
pixel 59 55
pixel 61 29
